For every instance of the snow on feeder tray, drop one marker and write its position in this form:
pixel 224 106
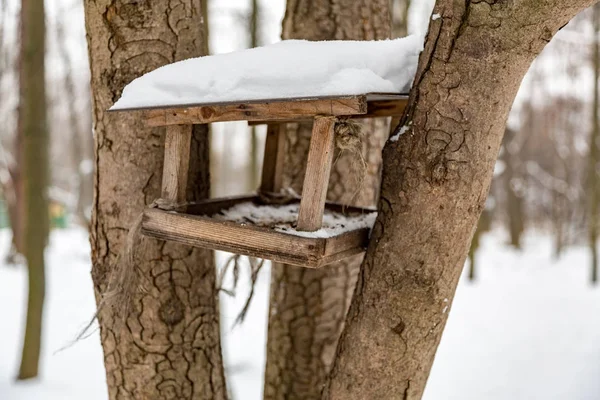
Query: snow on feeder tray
pixel 304 231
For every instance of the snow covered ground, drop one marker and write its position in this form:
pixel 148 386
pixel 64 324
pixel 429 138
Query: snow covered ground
pixel 528 328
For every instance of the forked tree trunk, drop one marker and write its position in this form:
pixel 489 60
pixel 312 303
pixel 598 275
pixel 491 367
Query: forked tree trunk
pixel 32 121
pixel 169 346
pixel 308 307
pixel 435 181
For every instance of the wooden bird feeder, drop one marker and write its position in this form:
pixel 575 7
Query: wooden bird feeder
pixel 202 224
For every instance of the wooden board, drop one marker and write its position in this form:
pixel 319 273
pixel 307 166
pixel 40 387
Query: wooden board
pixel 247 239
pixel 274 158
pixel 256 111
pixel 318 168
pixel 378 105
pixel 176 163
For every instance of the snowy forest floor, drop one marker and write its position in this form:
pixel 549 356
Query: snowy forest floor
pixel 527 328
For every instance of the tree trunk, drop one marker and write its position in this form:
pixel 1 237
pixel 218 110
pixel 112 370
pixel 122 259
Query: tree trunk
pixel 399 12
pixel 594 156
pixel 32 120
pixel 169 346
pixel 254 150
pixel 308 307
pixel 512 179
pixel 435 181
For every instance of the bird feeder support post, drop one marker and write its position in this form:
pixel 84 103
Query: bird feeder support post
pixel 316 180
pixel 274 157
pixel 178 140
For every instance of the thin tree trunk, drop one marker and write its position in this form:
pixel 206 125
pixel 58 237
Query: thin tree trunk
pixel 399 10
pixel 254 150
pixel 169 346
pixel 32 120
pixel 435 181
pixel 512 177
pixel 484 225
pixel 594 157
pixel 308 307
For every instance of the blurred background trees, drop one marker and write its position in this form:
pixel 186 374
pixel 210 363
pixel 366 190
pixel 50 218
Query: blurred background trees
pixel 33 152
pixel 547 176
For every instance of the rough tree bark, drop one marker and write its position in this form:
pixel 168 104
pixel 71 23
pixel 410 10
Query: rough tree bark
pixel 32 121
pixel 435 181
pixel 308 307
pixel 169 345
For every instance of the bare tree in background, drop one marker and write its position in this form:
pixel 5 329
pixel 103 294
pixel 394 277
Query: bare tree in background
pixel 10 175
pixel 81 143
pixel 32 122
pixel 253 24
pixel 594 152
pixel 399 12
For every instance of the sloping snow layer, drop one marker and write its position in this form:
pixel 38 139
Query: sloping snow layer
pixel 288 69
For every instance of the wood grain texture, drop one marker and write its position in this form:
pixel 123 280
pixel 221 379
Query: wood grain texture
pixel 318 168
pixel 274 157
pixel 378 105
pixel 251 240
pixel 275 110
pixel 176 164
pixel 170 345
pixel 385 108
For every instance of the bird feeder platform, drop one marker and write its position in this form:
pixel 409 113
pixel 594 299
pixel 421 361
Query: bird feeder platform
pixel 206 224
pixel 203 224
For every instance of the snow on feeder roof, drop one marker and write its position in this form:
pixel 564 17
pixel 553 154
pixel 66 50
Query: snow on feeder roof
pixel 328 83
pixel 288 69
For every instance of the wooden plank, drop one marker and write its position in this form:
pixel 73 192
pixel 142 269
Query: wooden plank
pixel 385 108
pixel 257 111
pixel 349 240
pixel 273 160
pixel 204 231
pixel 338 257
pixel 386 96
pixel 318 168
pixel 176 163
pixel 213 206
pixel 236 238
pixel 377 106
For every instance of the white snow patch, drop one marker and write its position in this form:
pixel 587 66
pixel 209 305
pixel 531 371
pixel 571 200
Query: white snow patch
pixel 436 16
pixel 401 132
pixel 282 219
pixel 288 69
pixel 547 348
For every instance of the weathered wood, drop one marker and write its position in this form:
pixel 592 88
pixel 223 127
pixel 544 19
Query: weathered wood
pixel 274 157
pixel 378 105
pixel 176 164
pixel 213 206
pixel 276 110
pixel 251 240
pixel 318 168
pixel 385 108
